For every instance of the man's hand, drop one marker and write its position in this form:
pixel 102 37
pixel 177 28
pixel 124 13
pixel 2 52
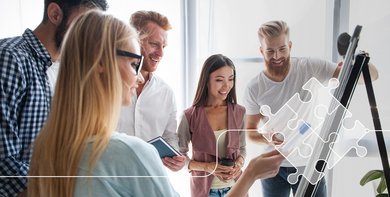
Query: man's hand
pixel 174 163
pixel 277 138
pixel 253 134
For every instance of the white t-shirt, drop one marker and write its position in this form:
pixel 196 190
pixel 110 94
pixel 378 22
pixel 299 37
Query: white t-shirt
pixel 263 91
pixel 152 114
pixel 52 74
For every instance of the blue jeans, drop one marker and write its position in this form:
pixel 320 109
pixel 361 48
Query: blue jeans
pixel 278 186
pixel 219 192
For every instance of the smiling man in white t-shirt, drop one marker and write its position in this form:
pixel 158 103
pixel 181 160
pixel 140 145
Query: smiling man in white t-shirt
pixel 274 86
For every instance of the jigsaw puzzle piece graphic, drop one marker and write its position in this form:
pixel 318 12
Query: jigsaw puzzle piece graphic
pixel 324 94
pixel 297 148
pixel 291 138
pixel 302 152
pixel 304 112
pixel 300 173
pixel 334 110
pixel 298 139
pixel 350 132
pixel 305 102
pixel 296 144
pixel 348 139
pixel 313 176
pixel 276 123
pixel 300 122
pixel 294 177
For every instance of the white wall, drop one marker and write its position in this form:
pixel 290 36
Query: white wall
pixel 17 15
pixel 234 25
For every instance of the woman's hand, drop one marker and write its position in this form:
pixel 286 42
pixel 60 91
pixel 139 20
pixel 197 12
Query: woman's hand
pixel 223 173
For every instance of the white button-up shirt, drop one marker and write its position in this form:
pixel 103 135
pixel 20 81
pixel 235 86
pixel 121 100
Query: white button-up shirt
pixel 151 114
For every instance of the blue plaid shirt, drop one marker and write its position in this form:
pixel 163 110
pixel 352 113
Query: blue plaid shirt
pixel 25 102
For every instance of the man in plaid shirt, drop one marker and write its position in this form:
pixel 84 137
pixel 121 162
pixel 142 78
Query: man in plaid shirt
pixel 24 87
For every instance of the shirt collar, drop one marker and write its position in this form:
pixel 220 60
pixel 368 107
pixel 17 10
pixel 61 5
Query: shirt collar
pixel 151 76
pixel 37 46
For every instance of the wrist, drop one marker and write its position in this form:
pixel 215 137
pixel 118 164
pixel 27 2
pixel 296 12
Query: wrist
pixel 206 167
pixel 188 165
pixel 239 161
pixel 250 174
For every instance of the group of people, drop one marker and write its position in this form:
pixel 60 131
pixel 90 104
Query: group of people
pixel 107 102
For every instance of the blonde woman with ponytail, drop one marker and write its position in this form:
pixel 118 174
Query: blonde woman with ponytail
pixel 98 73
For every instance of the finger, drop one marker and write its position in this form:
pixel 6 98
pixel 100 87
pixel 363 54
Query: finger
pixel 168 159
pixel 235 174
pixel 222 167
pixel 179 158
pixel 221 178
pixel 166 164
pixel 221 172
pixel 171 166
pixel 219 175
pixel 276 159
pixel 271 153
pixel 171 163
pixel 225 177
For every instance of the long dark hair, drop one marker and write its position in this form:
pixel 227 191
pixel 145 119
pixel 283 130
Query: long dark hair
pixel 212 64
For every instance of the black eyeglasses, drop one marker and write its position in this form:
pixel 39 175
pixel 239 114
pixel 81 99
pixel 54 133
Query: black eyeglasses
pixel 137 67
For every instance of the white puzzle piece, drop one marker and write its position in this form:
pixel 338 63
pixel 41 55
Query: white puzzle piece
pixel 300 120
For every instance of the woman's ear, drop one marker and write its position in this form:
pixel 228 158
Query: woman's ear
pixel 55 14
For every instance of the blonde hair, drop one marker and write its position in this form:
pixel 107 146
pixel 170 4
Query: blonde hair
pixel 273 29
pixel 85 105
